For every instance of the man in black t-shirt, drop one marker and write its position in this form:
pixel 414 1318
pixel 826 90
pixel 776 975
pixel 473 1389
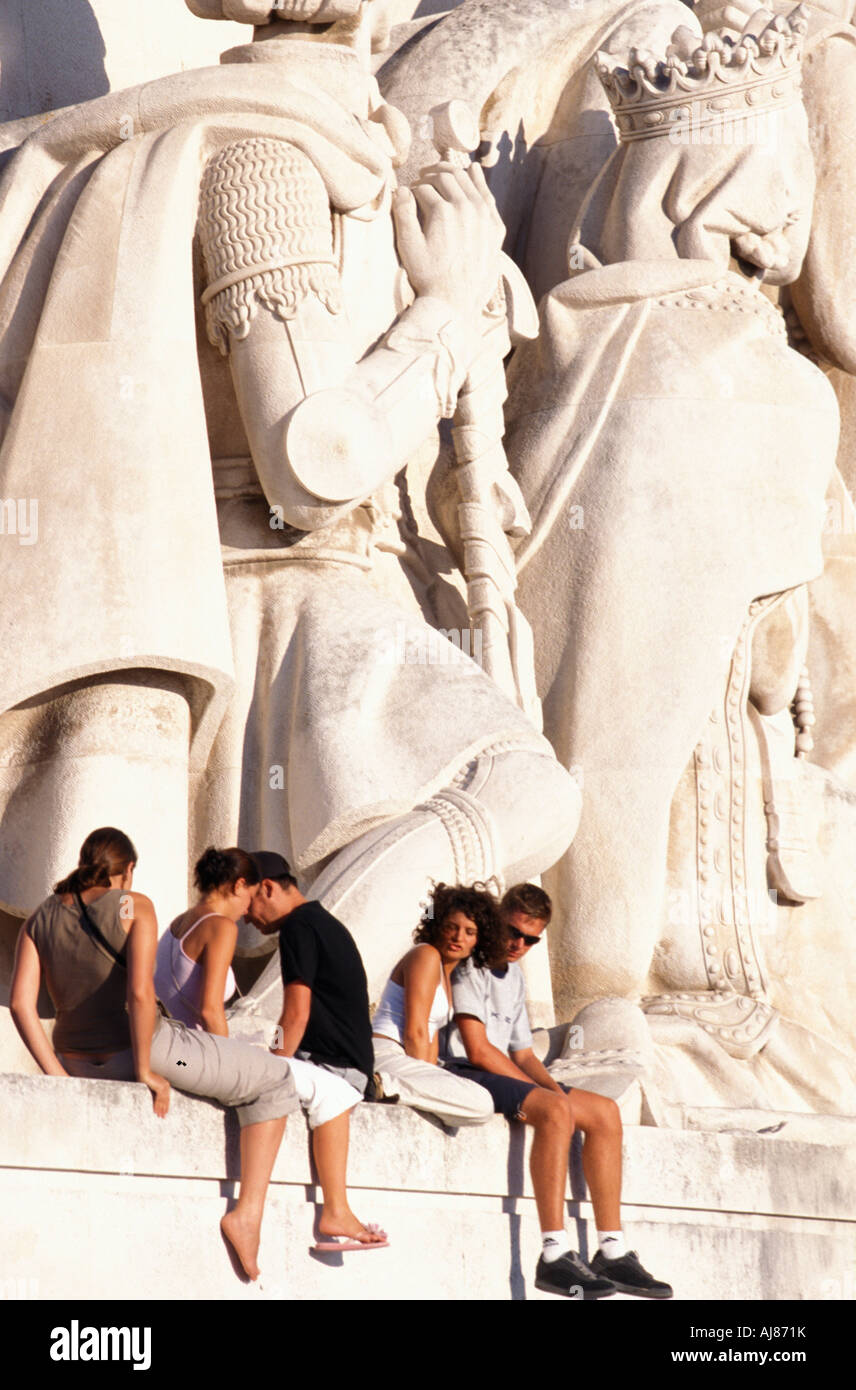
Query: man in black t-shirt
pixel 324 1030
pixel 319 953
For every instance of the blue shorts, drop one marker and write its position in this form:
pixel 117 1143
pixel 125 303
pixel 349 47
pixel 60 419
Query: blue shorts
pixel 507 1092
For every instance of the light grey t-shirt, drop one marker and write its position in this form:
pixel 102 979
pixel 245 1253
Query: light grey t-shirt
pixel 498 999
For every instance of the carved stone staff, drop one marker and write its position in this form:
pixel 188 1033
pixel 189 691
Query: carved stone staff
pixel 491 507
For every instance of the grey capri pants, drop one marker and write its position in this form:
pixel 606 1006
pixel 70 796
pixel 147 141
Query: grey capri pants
pixel 258 1085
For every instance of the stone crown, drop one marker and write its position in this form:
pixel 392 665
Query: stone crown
pixel 706 81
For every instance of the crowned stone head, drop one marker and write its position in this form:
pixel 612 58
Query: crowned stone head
pixel 707 82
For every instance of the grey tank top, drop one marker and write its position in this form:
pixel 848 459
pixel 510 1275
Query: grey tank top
pixel 87 987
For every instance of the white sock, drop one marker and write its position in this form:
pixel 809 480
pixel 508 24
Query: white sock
pixel 612 1244
pixel 554 1244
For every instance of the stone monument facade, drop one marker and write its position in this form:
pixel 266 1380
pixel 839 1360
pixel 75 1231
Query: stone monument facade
pixel 319 536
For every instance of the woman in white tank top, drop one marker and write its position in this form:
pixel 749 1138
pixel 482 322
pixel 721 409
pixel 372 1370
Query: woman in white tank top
pixel 416 1004
pixel 193 972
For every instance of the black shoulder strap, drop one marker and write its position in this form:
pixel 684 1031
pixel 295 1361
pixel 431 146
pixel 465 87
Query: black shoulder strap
pixel 93 931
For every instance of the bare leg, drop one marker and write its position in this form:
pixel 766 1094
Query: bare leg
pixel 551 1119
pixel 600 1121
pixel 330 1148
pixel 242 1225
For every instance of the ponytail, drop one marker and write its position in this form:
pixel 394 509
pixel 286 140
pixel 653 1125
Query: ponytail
pixel 103 854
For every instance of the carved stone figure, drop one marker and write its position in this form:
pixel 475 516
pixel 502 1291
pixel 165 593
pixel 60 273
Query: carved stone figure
pixel 526 69
pixel 202 279
pixel 675 455
pixel 819 313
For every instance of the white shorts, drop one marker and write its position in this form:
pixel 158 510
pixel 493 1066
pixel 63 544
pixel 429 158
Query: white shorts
pixel 322 1094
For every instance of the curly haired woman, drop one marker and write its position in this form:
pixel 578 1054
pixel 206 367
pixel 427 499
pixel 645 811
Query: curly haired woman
pixel 416 1003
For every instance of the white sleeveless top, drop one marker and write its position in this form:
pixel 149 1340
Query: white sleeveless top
pixel 389 1015
pixel 178 979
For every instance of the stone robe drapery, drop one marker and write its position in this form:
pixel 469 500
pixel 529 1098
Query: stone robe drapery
pixel 99 383
pixel 106 425
pixel 674 454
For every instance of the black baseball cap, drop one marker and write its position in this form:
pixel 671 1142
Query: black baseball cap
pixel 271 865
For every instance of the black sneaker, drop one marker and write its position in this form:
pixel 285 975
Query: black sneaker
pixel 628 1276
pixel 571 1277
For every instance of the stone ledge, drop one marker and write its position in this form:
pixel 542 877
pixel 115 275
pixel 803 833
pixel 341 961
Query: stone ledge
pixel 108 1127
pixel 86 1166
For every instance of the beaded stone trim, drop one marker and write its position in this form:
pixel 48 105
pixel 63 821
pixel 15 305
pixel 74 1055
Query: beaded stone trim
pixel 730 297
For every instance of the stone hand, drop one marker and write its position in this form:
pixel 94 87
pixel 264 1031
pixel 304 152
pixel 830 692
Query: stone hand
pixel 770 252
pixel 449 237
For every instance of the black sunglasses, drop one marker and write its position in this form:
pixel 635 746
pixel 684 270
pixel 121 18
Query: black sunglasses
pixel 521 936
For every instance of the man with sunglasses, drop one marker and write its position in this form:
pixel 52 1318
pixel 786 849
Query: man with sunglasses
pixel 491 1043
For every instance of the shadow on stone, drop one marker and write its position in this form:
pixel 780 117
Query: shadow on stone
pixel 57 62
pixel 516 1153
pixel 578 1192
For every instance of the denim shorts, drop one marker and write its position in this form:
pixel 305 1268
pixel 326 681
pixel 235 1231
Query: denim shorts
pixel 507 1092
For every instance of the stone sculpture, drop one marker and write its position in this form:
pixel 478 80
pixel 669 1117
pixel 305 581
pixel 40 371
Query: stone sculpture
pixel 546 136
pixel 643 425
pixel 818 308
pixel 159 629
pixel 186 294
pixel 526 68
pixel 316 723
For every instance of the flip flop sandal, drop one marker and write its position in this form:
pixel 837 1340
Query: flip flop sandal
pixel 344 1243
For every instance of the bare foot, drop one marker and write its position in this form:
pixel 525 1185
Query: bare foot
pixel 243 1235
pixel 344 1223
